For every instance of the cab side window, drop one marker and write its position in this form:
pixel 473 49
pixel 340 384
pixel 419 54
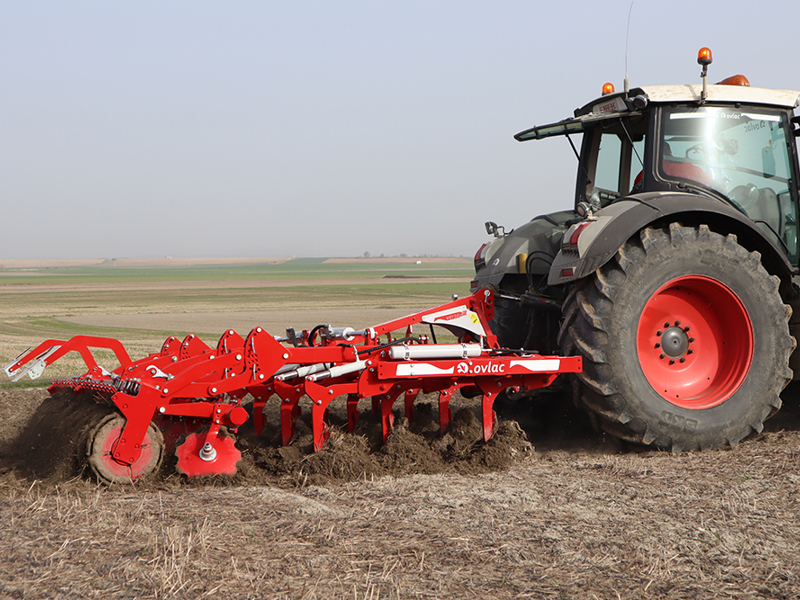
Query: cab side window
pixel 615 165
pixel 606 175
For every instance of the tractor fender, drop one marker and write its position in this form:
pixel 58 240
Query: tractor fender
pixel 610 227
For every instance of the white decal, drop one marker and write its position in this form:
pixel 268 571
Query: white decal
pixel 416 369
pixel 457 317
pixel 538 365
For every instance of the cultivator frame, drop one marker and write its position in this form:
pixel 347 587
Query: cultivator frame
pixel 188 384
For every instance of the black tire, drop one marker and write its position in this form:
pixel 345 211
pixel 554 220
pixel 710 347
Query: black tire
pixel 510 317
pixel 737 315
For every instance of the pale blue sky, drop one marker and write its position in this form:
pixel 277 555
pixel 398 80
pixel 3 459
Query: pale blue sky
pixel 196 129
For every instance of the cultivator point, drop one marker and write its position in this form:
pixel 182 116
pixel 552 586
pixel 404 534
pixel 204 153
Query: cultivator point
pixel 190 395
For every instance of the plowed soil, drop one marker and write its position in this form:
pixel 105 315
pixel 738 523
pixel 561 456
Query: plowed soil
pixel 547 509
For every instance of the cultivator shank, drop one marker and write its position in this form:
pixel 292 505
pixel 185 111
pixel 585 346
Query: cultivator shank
pixel 194 392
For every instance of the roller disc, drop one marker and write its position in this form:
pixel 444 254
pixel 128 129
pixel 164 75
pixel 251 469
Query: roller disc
pixel 103 440
pixel 200 455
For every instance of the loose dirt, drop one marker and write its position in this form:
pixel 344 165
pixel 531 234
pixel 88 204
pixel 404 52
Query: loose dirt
pixel 547 509
pixel 49 445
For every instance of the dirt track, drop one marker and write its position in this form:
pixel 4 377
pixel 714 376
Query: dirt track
pixel 578 517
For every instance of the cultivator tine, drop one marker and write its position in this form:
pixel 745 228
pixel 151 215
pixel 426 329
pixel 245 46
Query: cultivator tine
pixel 352 412
pixel 387 416
pixel 321 397
pixel 290 409
pixel 260 395
pixel 445 415
pixel 410 398
pixel 488 416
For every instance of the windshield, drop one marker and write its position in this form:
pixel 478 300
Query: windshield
pixel 741 153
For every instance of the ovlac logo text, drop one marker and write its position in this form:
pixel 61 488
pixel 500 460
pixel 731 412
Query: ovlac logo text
pixel 483 369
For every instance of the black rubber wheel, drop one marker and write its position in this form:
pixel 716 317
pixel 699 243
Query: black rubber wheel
pixel 510 317
pixel 509 323
pixel 684 337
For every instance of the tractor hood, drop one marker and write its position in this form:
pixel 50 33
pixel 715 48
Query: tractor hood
pixel 539 239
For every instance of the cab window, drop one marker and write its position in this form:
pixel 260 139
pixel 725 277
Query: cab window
pixel 616 155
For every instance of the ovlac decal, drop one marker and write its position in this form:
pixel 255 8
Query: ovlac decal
pixel 415 369
pixel 538 365
pixel 481 369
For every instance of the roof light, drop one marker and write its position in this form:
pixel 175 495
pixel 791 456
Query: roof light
pixel 608 88
pixel 704 57
pixel 735 80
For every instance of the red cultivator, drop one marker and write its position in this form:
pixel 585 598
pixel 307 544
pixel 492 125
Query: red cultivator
pixel 192 394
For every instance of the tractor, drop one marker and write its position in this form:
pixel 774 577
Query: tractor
pixel 674 275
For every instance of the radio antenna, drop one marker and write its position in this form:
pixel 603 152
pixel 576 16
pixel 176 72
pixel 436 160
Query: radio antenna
pixel 627 37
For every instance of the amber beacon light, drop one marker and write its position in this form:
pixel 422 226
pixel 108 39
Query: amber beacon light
pixel 704 57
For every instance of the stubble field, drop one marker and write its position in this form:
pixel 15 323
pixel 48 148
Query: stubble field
pixel 548 509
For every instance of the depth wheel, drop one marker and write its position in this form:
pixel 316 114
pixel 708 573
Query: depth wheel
pixel 685 340
pixel 103 440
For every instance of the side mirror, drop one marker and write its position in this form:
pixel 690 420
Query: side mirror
pixel 493 229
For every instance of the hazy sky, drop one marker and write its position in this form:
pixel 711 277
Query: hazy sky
pixel 197 129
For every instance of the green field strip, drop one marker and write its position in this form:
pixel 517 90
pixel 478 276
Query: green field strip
pixel 294 269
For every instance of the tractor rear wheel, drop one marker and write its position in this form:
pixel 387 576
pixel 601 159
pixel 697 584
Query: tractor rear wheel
pixel 102 440
pixel 685 340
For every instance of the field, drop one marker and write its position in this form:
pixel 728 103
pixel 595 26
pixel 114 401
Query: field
pixel 548 509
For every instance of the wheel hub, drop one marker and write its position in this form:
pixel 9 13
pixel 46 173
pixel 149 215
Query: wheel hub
pixel 674 342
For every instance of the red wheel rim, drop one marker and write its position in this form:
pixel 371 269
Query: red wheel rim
pixel 695 342
pixel 123 470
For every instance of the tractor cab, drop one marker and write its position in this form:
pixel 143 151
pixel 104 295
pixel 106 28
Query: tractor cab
pixel 735 146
